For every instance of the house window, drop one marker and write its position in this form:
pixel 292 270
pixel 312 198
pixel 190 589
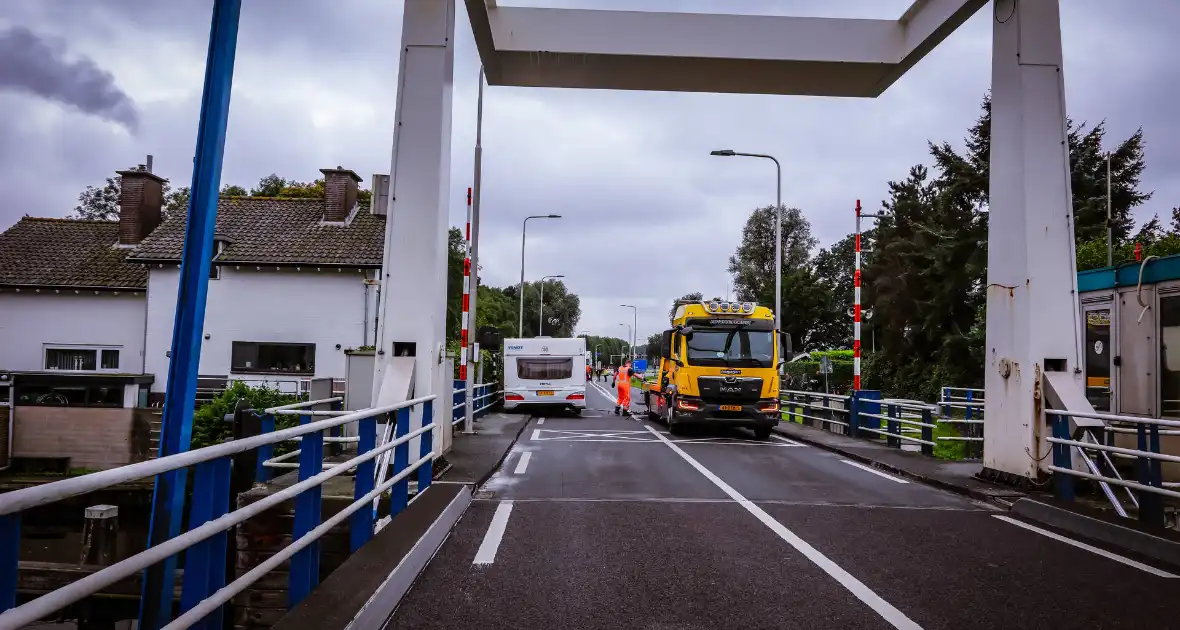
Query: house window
pixel 266 357
pixel 214 268
pixel 82 359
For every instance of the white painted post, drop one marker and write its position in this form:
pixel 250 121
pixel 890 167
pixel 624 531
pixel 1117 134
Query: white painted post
pixel 1032 311
pixel 412 306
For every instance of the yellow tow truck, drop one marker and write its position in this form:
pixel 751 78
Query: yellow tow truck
pixel 719 365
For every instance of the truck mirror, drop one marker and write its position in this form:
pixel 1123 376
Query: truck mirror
pixel 666 344
pixel 788 350
pixel 686 331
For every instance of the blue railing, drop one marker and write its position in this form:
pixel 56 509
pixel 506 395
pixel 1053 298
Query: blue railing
pixel 204 591
pixel 906 424
pixel 485 396
pixel 1095 455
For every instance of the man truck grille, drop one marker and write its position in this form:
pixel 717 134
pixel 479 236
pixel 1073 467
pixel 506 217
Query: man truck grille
pixel 729 389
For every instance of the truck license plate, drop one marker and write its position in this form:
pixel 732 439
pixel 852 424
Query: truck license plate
pixel 545 392
pixel 731 407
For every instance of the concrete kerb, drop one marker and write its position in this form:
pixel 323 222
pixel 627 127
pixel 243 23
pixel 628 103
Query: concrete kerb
pixel 1111 533
pixel 964 490
pixel 500 462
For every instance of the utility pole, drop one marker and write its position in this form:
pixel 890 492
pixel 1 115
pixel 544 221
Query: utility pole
pixel 856 300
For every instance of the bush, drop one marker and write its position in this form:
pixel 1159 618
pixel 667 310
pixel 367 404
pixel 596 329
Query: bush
pixel 209 425
pixel 805 376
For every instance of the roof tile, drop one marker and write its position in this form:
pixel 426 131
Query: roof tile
pixel 67 253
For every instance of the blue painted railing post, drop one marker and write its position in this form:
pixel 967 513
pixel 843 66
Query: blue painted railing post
pixel 1063 484
pixel 426 470
pixel 854 414
pixel 399 495
pixel 204 562
pixel 9 559
pixel 188 327
pixel 266 451
pixel 361 523
pixel 927 432
pixel 305 564
pixel 893 427
pixel 1151 505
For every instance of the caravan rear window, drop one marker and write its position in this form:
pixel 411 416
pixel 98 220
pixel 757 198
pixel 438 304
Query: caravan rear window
pixel 544 368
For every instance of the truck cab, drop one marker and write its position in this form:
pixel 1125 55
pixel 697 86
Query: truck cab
pixel 718 366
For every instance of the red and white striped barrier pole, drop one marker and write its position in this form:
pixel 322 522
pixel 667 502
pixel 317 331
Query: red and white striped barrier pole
pixel 856 308
pixel 465 324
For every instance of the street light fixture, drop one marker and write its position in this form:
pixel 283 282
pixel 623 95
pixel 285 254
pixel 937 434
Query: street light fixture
pixel 541 310
pixel 635 328
pixel 778 228
pixel 523 233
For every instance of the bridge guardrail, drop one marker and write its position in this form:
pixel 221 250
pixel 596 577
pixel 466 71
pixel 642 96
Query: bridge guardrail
pixel 1145 493
pixel 203 588
pixel 484 395
pixel 901 422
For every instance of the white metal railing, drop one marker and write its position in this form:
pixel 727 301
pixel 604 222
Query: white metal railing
pixel 480 407
pixel 814 401
pixel 1069 445
pixel 214 460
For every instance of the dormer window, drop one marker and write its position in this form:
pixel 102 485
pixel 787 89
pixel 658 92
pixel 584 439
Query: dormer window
pixel 214 268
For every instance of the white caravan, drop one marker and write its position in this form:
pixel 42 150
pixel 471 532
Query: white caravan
pixel 545 371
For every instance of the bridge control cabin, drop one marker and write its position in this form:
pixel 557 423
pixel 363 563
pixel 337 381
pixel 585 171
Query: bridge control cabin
pixel 1130 316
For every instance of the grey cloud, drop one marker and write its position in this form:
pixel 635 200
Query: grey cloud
pixel 38 66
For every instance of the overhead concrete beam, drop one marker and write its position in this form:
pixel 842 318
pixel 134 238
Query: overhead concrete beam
pixel 692 52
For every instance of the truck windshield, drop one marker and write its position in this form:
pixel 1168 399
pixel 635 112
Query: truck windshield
pixel 731 347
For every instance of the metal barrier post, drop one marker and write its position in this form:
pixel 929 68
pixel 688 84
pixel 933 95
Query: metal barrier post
pixel 972 431
pixel 854 415
pixel 892 427
pixel 827 413
pixel 204 562
pixel 266 451
pixel 361 521
pixel 1063 484
pixel 927 432
pixel 305 564
pixel 1151 505
pixel 335 448
pixel 426 470
pixel 9 559
pixel 399 495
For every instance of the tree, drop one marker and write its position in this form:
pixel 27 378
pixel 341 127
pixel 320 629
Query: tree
pixel 688 297
pixel 233 190
pixel 269 186
pixel 833 268
pixel 455 257
pixel 177 201
pixel 804 298
pixel 99 204
pixel 652 346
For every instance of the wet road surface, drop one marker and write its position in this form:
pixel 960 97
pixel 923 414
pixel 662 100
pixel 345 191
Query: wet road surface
pixel 606 521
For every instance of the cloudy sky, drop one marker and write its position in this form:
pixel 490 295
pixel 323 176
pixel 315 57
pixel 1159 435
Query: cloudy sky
pixel 87 88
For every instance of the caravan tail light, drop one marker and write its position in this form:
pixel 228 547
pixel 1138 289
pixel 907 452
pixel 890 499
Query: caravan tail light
pixel 576 397
pixel 513 397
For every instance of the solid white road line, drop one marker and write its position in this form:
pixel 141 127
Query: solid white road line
pixel 613 399
pixel 788 441
pixel 1081 545
pixel 536 434
pixel 873 470
pixel 540 421
pixel 491 540
pixel 893 616
pixel 523 464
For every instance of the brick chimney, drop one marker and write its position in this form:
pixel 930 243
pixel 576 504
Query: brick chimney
pixel 339 193
pixel 140 200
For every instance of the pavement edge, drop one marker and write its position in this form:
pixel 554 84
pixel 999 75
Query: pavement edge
pixel 483 478
pixel 1095 529
pixel 932 481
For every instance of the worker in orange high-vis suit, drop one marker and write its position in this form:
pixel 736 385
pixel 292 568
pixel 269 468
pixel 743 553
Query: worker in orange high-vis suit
pixel 623 383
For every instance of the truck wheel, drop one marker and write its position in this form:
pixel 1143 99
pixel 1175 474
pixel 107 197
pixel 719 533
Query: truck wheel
pixel 762 433
pixel 670 419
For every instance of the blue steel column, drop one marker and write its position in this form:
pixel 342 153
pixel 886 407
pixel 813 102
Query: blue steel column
pixel 176 430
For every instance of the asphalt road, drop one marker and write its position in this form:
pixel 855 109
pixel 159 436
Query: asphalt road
pixel 605 521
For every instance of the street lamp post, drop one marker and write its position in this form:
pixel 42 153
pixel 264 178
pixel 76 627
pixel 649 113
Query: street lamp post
pixel 634 328
pixel 523 233
pixel 629 337
pixel 778 229
pixel 541 310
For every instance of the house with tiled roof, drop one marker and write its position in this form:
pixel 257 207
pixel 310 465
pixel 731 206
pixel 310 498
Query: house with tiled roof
pixel 87 307
pixel 293 283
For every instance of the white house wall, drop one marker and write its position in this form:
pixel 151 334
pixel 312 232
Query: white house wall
pixel 30 320
pixel 326 308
